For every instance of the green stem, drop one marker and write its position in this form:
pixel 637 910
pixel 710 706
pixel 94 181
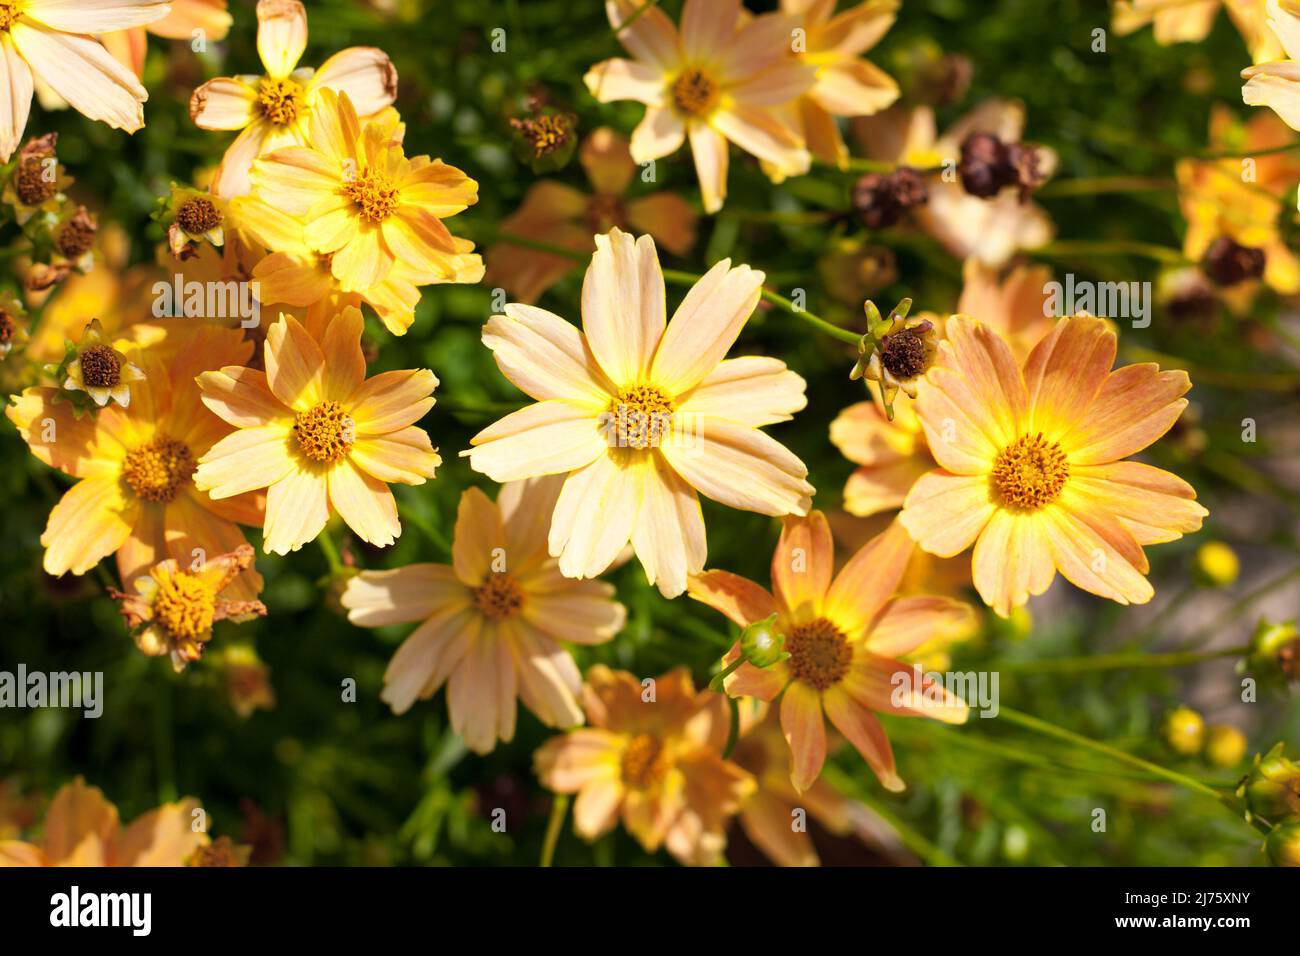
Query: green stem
pixel 733 731
pixel 1112 247
pixel 1223 378
pixel 1103 185
pixel 559 809
pixel 716 685
pixel 1106 662
pixel 331 552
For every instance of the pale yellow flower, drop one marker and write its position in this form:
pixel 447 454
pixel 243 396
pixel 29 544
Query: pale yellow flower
pixel 274 110
pixel 1190 21
pixel 493 622
pixel 56 41
pixel 640 416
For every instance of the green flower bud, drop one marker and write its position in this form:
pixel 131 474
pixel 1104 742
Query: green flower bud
pixel 762 644
pixel 1283 844
pixel 1272 790
pixel 1275 651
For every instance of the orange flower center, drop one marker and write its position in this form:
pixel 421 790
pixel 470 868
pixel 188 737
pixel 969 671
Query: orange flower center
pixel 157 471
pixel 1030 472
pixel 694 92
pixel 198 215
pixel 280 101
pixel 324 432
pixel 819 653
pixel 373 193
pixel 645 762
pixel 640 417
pixel 184 607
pixel 101 367
pixel 603 213
pixel 10 11
pixel 498 597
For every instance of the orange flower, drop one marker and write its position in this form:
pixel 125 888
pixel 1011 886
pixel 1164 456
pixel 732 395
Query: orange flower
pixel 136 496
pixel 891 455
pixel 845 635
pixel 492 621
pixel 1031 463
pixel 647 759
pixel 188 20
pixel 82 829
pixel 562 216
pixel 317 434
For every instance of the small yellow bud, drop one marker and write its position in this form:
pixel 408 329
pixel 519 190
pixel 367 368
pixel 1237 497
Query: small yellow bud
pixel 1217 564
pixel 1184 731
pixel 1275 651
pixel 1283 844
pixel 1225 746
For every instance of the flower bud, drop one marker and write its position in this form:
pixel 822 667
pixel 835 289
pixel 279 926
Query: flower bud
pixel 1224 745
pixel 1184 731
pixel 762 644
pixel 1283 844
pixel 1272 790
pixel 1275 651
pixel 1216 564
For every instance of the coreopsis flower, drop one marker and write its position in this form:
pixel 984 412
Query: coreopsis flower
pixel 275 110
pixel 135 495
pixel 1234 225
pixel 890 454
pixel 713 81
pixel 37 183
pixel 100 370
pixel 365 205
pixel 195 217
pixel 189 20
pixel 1190 21
pixel 55 42
pixel 648 760
pixel 173 607
pixel 641 417
pixel 991 230
pixel 493 622
pixel 896 351
pixel 847 84
pixel 14 324
pixel 318 435
pixel 82 829
pixel 1013 303
pixel 845 634
pixel 562 216
pixel 1032 468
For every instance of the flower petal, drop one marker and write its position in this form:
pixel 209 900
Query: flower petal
pixel 709 149
pixel 623 306
pixel 805 732
pixel 908 622
pixel 618 79
pixel 81 71
pixel 753 390
pixel 90 522
pixel 364 503
pixel 410 593
pixel 481 692
pixel 944 513
pixel 1012 560
pixel 297 507
pixel 864 730
pixel 669 533
pixel 546 357
pixel 479 539
pixel 547 438
pixel 740 467
pixel 1135 406
pixel 428 656
pixel 391 401
pixel 705 326
pixel 224 103
pixel 242 397
pixel 246 460
pixel 868 580
pixel 1065 371
pixel 1096 552
pixel 740 599
pixel 15 97
pixel 802 565
pixel 95 16
pixel 295 367
pixel 548 679
pixel 364 73
pixel 1154 505
pixel 281 35
pixel 596 514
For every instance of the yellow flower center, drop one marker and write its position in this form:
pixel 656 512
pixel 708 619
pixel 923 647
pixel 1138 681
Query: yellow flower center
pixel 694 92
pixel 819 653
pixel 645 762
pixel 101 367
pixel 324 432
pixel 640 417
pixel 10 11
pixel 498 597
pixel 1030 472
pixel 157 471
pixel 373 193
pixel 198 215
pixel 280 100
pixel 184 607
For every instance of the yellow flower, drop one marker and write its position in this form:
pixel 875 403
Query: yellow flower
pixel 641 416
pixel 647 759
pixel 82 829
pixel 136 496
pixel 172 610
pixel 717 80
pixel 196 216
pixel 845 634
pixel 846 84
pixel 317 434
pixel 1190 21
pixel 560 215
pixel 275 110
pixel 100 370
pixel 54 42
pixel 492 621
pixel 364 204
pixel 1031 463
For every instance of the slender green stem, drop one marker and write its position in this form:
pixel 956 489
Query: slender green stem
pixel 1112 247
pixel 559 810
pixel 1105 185
pixel 733 729
pixel 716 685
pixel 331 552
pixel 1223 378
pixel 816 321
pixel 1107 662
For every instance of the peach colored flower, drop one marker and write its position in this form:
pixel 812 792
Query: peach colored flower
pixel 318 435
pixel 1011 302
pixel 563 216
pixel 845 634
pixel 640 416
pixel 186 19
pixel 1190 21
pixel 715 81
pixel 56 42
pixel 492 622
pixel 647 759
pixel 847 84
pixel 890 455
pixel 1031 463
pixel 82 829
pixel 275 110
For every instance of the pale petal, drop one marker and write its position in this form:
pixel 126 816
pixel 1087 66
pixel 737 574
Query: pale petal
pixel 295 367
pixel 1154 505
pixel 90 522
pixel 242 397
pixel 365 504
pixel 1065 371
pixel 906 623
pixel 753 390
pixel 618 79
pixel 297 507
pixel 740 599
pixel 740 467
pixel 577 612
pixel 281 35
pixel 411 593
pixel 649 35
pixel 426 658
pixel 80 70
pixel 893 687
pixel 669 532
pixel 391 401
pixel 864 730
pixel 15 97
pixel 405 456
pixel 546 357
pixel 481 692
pixel 479 541
pixel 548 679
pixel 246 460
pixel 944 513
pixel 547 438
pixel 623 308
pixel 224 103
pixel 1096 552
pixel 706 325
pixel 596 514
pixel 1135 406
pixel 802 565
pixel 1277 86
pixel 1012 560
pixel 868 580
pixel 660 133
pixel 95 16
pixel 364 73
pixel 709 149
pixel 708 27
